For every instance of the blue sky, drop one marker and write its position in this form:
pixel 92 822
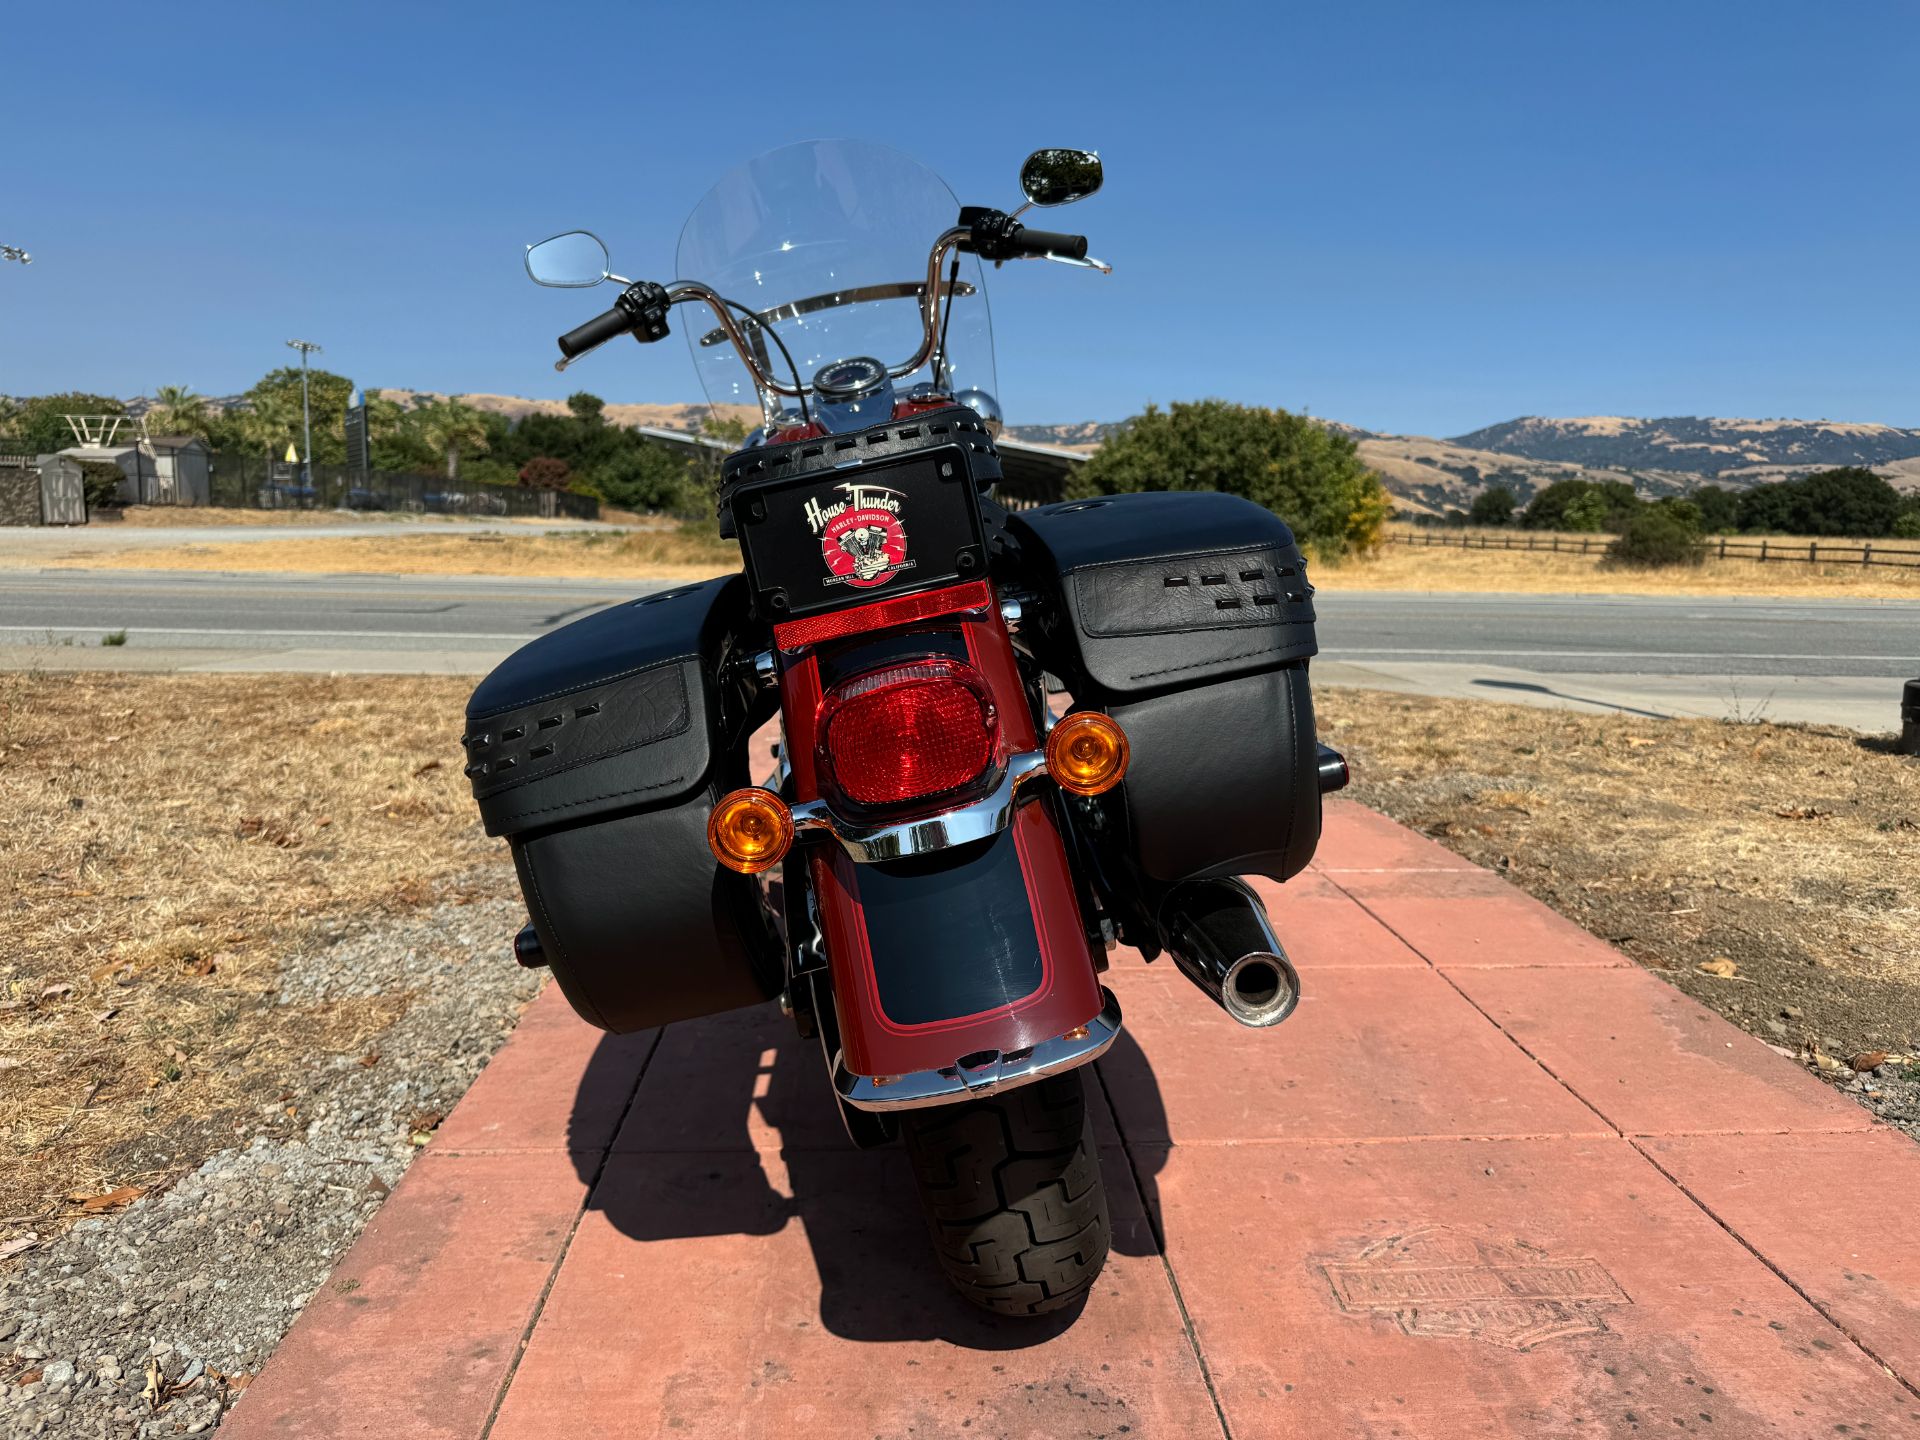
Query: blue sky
pixel 1414 217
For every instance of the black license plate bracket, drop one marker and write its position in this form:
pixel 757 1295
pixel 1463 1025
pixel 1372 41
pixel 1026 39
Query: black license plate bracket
pixel 856 533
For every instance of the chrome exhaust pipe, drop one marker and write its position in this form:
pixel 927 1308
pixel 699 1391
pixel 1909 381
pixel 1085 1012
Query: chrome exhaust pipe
pixel 1218 934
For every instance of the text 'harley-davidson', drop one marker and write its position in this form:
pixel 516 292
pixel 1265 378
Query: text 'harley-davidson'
pixel 931 876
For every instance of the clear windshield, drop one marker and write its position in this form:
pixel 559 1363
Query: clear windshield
pixel 844 224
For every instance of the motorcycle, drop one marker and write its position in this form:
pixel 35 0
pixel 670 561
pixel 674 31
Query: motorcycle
pixel 930 879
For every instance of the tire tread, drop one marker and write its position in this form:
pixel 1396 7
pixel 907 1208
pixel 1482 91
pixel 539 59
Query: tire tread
pixel 1011 1189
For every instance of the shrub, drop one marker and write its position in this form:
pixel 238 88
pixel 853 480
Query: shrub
pixel 1309 476
pixel 1906 526
pixel 100 479
pixel 1656 539
pixel 543 472
pixel 649 477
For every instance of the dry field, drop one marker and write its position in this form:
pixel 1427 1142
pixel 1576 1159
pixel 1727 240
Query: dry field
pixel 1416 567
pixel 1792 852
pixel 692 550
pixel 174 517
pixel 671 552
pixel 162 840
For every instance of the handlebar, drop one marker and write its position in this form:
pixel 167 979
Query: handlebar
pixel 596 331
pixel 1028 241
pixel 990 234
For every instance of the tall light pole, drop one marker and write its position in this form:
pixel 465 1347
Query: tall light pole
pixel 14 252
pixel 306 348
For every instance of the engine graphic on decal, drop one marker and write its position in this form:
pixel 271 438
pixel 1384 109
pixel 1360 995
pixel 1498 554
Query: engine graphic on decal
pixel 861 536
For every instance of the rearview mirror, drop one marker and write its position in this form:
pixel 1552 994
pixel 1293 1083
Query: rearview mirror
pixel 572 261
pixel 1059 177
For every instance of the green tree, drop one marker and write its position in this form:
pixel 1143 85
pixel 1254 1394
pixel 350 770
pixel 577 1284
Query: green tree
pixel 1906 525
pixel 177 410
pixel 39 429
pixel 277 394
pixel 650 477
pixel 450 427
pixel 1586 512
pixel 588 409
pixel 1767 509
pixel 395 444
pixel 270 423
pixel 1493 507
pixel 1309 476
pixel 1719 508
pixel 1849 501
pixel 729 428
pixel 1548 509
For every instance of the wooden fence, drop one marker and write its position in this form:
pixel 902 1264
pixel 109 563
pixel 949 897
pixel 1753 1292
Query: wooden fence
pixel 1717 547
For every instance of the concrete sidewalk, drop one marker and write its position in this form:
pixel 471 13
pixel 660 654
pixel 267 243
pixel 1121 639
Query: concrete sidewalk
pixel 1491 1179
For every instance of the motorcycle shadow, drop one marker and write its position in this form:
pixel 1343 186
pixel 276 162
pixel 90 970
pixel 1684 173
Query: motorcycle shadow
pixel 734 1131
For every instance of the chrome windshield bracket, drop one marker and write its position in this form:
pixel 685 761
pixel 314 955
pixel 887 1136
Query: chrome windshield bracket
pixel 980 1075
pixel 983 819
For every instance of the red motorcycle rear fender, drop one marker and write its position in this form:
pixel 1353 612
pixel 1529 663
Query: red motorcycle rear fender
pixel 948 954
pixel 975 949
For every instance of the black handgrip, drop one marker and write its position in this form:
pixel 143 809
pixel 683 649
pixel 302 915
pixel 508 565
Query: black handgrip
pixel 1049 242
pixel 596 331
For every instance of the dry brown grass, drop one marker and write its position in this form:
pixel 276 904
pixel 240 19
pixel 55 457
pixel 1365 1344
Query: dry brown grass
pixel 162 840
pixel 173 517
pixel 1415 567
pixel 671 552
pixel 1793 851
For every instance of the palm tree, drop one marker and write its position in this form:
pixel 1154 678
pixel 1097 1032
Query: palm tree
pixel 450 427
pixel 176 410
pixel 271 424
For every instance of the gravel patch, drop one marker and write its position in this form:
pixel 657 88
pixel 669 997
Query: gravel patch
pixel 150 1321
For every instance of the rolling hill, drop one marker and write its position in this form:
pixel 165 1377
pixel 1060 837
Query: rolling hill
pixel 1668 456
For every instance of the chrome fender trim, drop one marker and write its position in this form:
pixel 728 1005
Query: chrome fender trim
pixel 982 820
pixel 994 1071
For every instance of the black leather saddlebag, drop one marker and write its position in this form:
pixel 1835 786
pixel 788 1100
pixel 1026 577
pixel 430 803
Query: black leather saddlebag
pixel 1187 616
pixel 598 751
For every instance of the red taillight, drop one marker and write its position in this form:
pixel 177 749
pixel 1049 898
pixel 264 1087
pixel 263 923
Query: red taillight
pixel 907 732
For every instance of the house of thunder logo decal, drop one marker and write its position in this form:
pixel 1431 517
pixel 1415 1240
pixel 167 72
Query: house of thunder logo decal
pixel 861 537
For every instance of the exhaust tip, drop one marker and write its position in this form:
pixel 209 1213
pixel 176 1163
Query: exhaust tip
pixel 1260 989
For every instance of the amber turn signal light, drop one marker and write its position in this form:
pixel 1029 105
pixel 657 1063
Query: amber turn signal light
pixel 750 830
pixel 1087 753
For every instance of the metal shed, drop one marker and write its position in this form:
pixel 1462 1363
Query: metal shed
pixel 161 470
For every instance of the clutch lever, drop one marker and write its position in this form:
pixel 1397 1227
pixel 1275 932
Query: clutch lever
pixel 1087 264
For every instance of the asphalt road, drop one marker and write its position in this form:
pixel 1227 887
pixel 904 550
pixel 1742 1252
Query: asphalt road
pixel 1806 659
pixel 226 611
pixel 1622 635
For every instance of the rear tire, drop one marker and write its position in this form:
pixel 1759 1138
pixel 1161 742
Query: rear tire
pixel 1011 1189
